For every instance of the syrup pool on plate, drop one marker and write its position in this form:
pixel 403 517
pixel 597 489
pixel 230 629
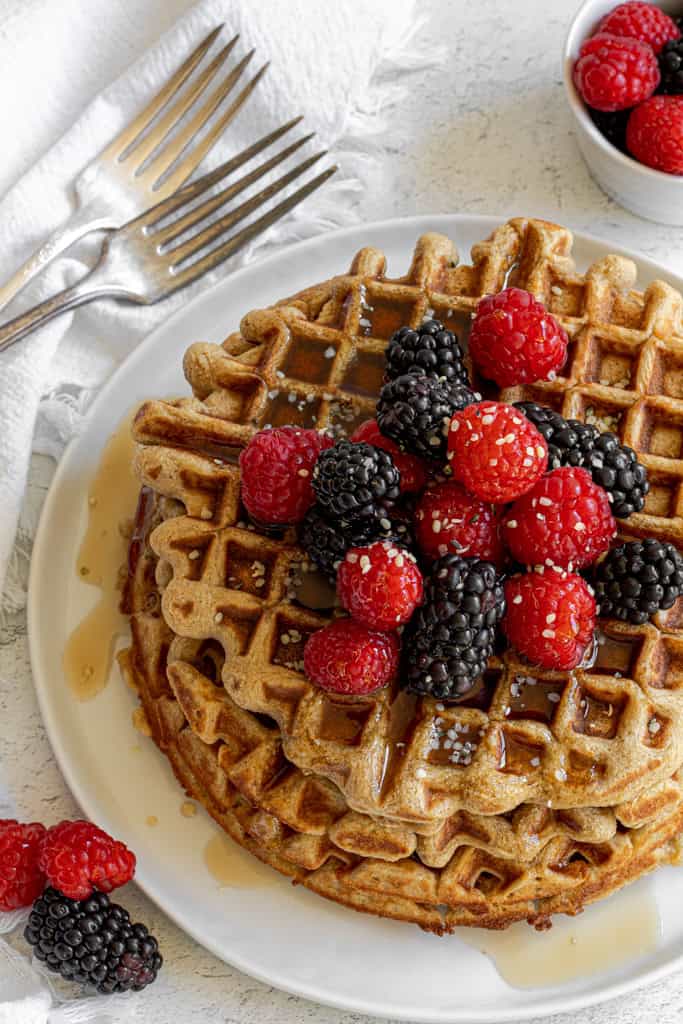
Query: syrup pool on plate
pixel 111 502
pixel 232 867
pixel 605 936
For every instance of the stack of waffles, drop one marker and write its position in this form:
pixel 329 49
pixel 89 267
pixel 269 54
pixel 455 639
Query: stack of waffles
pixel 541 793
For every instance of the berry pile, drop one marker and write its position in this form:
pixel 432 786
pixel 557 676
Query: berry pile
pixel 630 75
pixel 64 874
pixel 451 525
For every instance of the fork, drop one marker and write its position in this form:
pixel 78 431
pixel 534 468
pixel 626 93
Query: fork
pixel 151 257
pixel 136 170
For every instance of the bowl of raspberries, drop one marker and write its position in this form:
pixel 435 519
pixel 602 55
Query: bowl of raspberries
pixel 623 72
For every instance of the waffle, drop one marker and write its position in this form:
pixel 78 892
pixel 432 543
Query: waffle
pixel 593 738
pixel 479 871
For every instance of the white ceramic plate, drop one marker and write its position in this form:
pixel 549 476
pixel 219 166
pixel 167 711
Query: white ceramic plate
pixel 281 935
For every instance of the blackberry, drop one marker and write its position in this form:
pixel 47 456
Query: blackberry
pixel 414 411
pixel 612 125
pixel 451 636
pixel 354 481
pixel 671 67
pixel 430 350
pixel 638 579
pixel 613 466
pixel 326 541
pixel 92 942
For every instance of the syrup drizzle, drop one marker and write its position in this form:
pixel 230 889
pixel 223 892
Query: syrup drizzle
pixel 234 868
pixel 606 936
pixel 111 498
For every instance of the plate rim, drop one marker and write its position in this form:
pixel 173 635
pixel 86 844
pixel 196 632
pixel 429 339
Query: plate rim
pixel 558 1003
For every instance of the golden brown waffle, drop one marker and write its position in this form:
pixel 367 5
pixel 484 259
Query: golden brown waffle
pixel 594 738
pixel 476 870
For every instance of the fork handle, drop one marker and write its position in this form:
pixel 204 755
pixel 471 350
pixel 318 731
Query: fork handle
pixel 80 223
pixel 88 288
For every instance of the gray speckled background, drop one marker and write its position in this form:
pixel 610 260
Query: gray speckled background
pixel 488 132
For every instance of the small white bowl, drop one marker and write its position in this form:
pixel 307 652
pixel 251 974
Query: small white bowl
pixel 651 194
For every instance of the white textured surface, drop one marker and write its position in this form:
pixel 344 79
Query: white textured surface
pixel 488 132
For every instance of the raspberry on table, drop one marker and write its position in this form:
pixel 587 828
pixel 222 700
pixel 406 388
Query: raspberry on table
pixel 355 481
pixel 495 452
pixel 414 411
pixel 326 540
pixel 515 340
pixel 636 580
pixel 429 349
pixel 21 878
pixel 564 520
pixel 77 857
pixel 550 617
pixel 613 466
pixel 92 942
pixel 380 585
pixel 451 636
pixel 654 134
pixel 643 21
pixel 613 73
pixel 449 520
pixel 276 472
pixel 348 658
pixel 412 470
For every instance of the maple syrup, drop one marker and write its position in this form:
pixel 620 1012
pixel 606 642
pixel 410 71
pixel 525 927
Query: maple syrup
pixel 604 937
pixel 233 867
pixel 111 501
pixel 403 718
pixel 533 699
pixel 343 723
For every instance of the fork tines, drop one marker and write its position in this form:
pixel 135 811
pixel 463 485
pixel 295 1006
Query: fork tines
pixel 156 141
pixel 179 252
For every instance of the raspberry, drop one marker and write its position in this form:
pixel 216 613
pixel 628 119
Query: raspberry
pixel 495 452
pixel 550 617
pixel 448 520
pixel 613 73
pixel 277 467
pixel 21 880
pixel 78 857
pixel 412 469
pixel 565 519
pixel 380 585
pixel 347 657
pixel 642 21
pixel 654 133
pixel 515 340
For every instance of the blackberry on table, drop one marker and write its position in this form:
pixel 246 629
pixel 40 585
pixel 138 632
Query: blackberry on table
pixel 451 636
pixel 612 125
pixel 429 349
pixel 326 541
pixel 638 579
pixel 671 67
pixel 414 411
pixel 92 942
pixel 613 466
pixel 354 481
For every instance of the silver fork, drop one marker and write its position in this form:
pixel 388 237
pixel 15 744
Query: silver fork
pixel 151 257
pixel 136 170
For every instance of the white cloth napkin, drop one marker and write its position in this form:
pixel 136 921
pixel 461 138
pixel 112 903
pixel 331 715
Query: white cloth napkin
pixel 341 65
